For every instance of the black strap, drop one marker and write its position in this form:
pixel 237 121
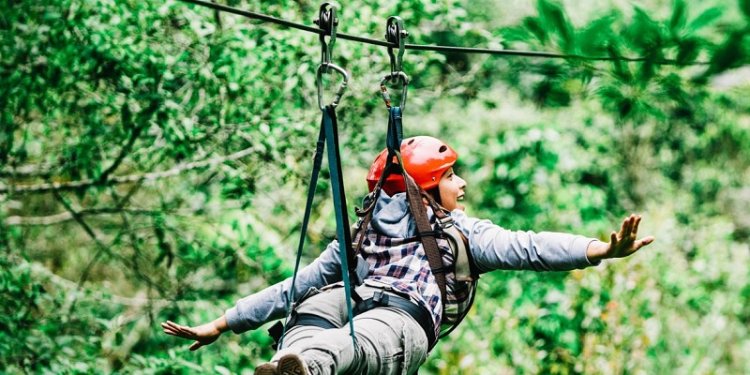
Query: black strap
pixel 380 299
pixel 278 330
pixel 414 196
pixel 419 313
pixel 417 208
pixel 328 134
pixel 317 161
pixel 431 249
pixel 311 320
pixel 346 254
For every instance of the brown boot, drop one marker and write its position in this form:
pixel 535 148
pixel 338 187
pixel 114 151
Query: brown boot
pixel 268 368
pixel 292 364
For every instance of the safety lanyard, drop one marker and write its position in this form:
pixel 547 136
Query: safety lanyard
pixel 414 197
pixel 342 218
pixel 396 34
pixel 328 134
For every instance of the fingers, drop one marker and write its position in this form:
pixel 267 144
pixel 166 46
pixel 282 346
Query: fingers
pixel 175 329
pixel 646 241
pixel 624 228
pixel 172 326
pixel 629 228
pixel 637 223
pixel 631 224
pixel 195 346
pixel 169 329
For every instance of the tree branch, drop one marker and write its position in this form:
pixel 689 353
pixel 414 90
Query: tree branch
pixel 123 153
pixel 70 285
pixel 77 217
pixel 66 216
pixel 81 184
pixel 27 171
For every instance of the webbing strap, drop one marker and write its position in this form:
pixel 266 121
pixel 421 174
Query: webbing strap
pixel 328 134
pixel 417 208
pixel 426 234
pixel 339 201
pixel 395 131
pixel 414 196
pixel 317 161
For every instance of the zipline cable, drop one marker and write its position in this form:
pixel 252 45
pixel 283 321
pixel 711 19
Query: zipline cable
pixel 436 48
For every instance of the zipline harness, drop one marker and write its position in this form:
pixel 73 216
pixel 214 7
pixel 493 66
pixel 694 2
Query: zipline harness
pixel 462 266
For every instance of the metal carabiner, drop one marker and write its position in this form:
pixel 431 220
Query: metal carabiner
pixel 325 68
pixel 404 89
pixel 396 34
pixel 327 22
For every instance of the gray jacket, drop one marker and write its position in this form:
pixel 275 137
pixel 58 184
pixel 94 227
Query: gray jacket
pixel 492 247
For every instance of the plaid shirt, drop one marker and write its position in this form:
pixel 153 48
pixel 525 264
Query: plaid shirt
pixel 402 264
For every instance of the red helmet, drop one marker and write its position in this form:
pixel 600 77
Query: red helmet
pixel 425 158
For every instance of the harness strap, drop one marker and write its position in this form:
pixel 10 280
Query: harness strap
pixel 317 162
pixel 414 196
pixel 466 271
pixel 346 254
pixel 428 242
pixel 463 263
pixel 328 134
pixel 414 193
pixel 278 330
pixel 379 299
pixel 311 320
pixel 419 313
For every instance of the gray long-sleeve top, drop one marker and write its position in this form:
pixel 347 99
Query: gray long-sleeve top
pixel 491 246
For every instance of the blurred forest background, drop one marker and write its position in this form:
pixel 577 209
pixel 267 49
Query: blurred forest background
pixel 154 157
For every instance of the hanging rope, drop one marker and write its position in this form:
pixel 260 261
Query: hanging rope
pixel 436 48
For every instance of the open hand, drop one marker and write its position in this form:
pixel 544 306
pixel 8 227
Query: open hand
pixel 626 242
pixel 203 334
pixel 621 244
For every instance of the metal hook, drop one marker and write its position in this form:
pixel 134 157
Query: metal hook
pixel 396 34
pixel 324 68
pixel 398 76
pixel 327 22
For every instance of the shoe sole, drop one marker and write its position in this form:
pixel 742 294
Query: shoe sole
pixel 266 369
pixel 291 364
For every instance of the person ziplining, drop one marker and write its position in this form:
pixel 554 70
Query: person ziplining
pixel 379 298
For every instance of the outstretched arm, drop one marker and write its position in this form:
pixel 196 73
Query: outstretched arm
pixel 268 304
pixel 204 334
pixel 494 247
pixel 622 244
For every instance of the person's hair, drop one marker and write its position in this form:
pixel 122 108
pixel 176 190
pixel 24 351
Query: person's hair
pixel 435 193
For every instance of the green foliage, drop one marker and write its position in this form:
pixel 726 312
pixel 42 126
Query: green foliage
pixel 141 108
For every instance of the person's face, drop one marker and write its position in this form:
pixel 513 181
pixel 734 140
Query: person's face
pixel 451 188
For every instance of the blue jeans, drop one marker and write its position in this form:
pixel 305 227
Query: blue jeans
pixel 389 341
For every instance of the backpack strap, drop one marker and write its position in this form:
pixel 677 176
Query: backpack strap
pixel 465 269
pixel 426 234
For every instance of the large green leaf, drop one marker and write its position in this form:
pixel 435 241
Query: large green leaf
pixel 555 21
pixel 679 16
pixel 706 18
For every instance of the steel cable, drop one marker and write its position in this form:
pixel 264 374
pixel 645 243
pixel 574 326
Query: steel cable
pixel 423 47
